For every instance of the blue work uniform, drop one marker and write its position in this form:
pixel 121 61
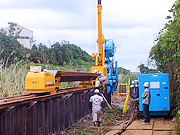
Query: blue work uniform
pixel 146 102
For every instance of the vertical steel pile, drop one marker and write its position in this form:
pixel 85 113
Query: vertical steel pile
pixel 45 117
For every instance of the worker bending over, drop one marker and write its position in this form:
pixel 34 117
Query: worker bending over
pixel 102 78
pixel 98 105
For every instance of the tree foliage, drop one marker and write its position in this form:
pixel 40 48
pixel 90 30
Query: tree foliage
pixel 166 52
pixel 10 49
pixel 123 71
pixel 144 69
pixel 59 53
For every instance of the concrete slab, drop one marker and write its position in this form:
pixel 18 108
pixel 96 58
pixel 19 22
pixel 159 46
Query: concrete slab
pixel 157 127
pixel 137 125
pixel 137 132
pixel 166 125
pixel 164 133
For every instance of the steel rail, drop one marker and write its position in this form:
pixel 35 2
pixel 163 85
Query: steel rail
pixel 68 76
pixel 44 114
pixel 24 99
pixel 13 98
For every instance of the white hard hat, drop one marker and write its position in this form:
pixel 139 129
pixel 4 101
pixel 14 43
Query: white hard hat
pixel 136 81
pixel 95 71
pixel 96 91
pixel 146 84
pixel 133 82
pixel 99 72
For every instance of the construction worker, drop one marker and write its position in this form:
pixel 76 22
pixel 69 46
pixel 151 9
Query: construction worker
pixel 146 102
pixel 134 93
pixel 98 105
pixel 134 89
pixel 101 78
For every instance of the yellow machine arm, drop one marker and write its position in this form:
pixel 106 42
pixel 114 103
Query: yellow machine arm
pixel 48 81
pixel 100 57
pixel 101 38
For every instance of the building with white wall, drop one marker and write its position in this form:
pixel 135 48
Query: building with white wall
pixel 24 35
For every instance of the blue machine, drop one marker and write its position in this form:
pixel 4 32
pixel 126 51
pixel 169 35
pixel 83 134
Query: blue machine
pixel 111 65
pixel 160 93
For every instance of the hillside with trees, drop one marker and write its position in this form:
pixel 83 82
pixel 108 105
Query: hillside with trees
pixel 58 54
pixel 15 61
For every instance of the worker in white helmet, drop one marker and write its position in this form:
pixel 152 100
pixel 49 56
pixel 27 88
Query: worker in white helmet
pixel 95 71
pixel 146 102
pixel 101 78
pixel 134 89
pixel 98 105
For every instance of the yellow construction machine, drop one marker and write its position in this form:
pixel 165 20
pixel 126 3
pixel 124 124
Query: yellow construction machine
pixel 48 81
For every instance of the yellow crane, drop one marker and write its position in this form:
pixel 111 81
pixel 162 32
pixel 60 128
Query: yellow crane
pixel 105 59
pixel 100 56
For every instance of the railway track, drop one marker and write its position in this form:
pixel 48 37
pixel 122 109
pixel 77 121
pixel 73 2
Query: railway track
pixel 44 114
pixel 13 101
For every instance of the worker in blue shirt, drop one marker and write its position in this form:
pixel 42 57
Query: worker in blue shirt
pixel 146 102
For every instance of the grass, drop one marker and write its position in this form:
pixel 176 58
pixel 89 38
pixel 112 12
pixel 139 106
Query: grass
pixel 85 126
pixel 12 79
pixel 177 126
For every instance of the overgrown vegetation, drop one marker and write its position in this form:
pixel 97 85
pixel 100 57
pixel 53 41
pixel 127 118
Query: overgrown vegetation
pixel 85 127
pixel 166 55
pixel 12 79
pixel 177 127
pixel 15 60
pixel 123 71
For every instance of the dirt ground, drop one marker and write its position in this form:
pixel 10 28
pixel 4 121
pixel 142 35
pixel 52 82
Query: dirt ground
pixel 110 118
pixel 112 122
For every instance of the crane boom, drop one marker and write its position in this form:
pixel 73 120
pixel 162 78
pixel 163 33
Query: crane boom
pixel 100 56
pixel 101 38
pixel 105 58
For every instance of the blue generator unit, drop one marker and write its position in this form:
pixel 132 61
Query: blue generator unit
pixel 160 93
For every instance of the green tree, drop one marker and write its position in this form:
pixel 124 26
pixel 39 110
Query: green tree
pixel 166 52
pixel 13 31
pixel 10 48
pixel 144 69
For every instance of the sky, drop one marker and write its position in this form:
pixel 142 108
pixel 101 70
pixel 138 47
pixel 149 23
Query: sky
pixel 132 24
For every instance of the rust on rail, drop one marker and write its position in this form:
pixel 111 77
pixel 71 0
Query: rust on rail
pixel 68 76
pixel 44 114
pixel 24 99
